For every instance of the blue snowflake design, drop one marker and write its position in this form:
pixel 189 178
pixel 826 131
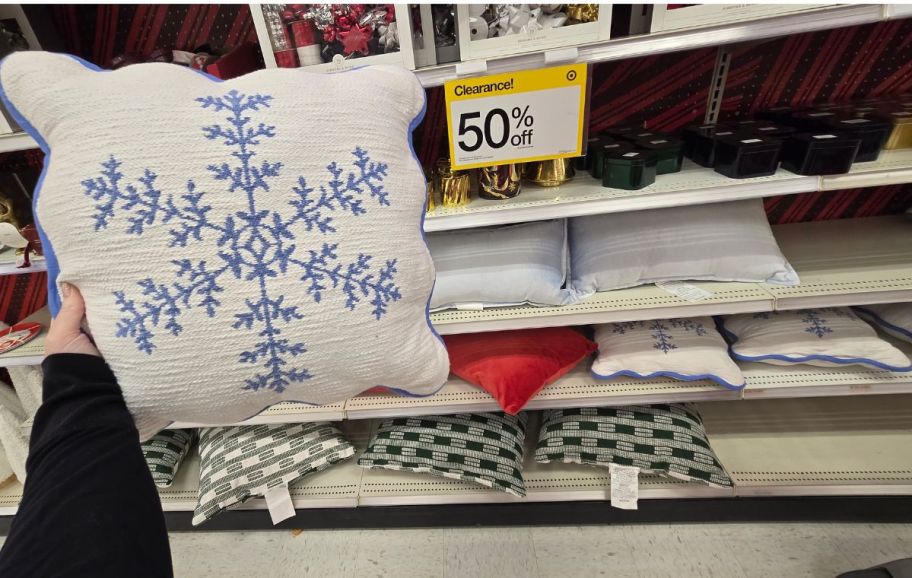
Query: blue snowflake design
pixel 816 324
pixel 256 244
pixel 662 339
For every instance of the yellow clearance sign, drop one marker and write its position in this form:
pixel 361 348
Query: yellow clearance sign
pixel 516 117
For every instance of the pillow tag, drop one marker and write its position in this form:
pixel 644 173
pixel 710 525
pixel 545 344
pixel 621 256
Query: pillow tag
pixel 625 486
pixel 278 500
pixel 685 291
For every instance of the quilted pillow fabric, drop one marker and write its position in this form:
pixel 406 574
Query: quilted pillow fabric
pixel 826 337
pixel 482 448
pixel 702 242
pixel 164 453
pixel 685 349
pixel 243 462
pixel 659 439
pixel 238 243
pixel 894 319
pixel 513 366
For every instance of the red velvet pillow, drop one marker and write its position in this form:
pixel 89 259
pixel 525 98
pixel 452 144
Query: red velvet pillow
pixel 513 366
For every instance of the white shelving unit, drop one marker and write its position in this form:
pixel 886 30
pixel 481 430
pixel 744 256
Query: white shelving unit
pixel 694 185
pixel 647 44
pixel 827 446
pixel 9 264
pixel 18 141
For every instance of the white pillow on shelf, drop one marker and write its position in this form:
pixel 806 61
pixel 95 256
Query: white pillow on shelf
pixel 894 318
pixel 501 266
pixel 685 349
pixel 717 242
pixel 825 337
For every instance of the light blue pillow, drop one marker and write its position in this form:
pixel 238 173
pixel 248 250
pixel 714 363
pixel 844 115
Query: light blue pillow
pixel 718 242
pixel 501 266
pixel 893 318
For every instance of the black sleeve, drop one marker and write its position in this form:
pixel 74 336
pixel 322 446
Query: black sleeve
pixel 89 506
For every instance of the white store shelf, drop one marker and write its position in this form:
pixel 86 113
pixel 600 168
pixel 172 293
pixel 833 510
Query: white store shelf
pixel 647 44
pixel 847 262
pixel 645 302
pixel 891 168
pixel 17 141
pixel 843 262
pixel 813 447
pixel 585 195
pixel 9 263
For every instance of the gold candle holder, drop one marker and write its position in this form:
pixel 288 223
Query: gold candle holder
pixel 431 196
pixel 454 186
pixel 550 173
pixel 499 182
pixel 583 12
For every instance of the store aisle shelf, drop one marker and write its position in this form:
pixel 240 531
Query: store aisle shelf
pixel 891 168
pixel 819 447
pixel 847 262
pixel 17 141
pixel 842 262
pixel 648 44
pixel 585 195
pixel 9 263
pixel 829 446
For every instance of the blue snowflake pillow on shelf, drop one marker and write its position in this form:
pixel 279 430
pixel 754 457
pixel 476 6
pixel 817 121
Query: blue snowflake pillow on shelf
pixel 238 243
pixel 826 337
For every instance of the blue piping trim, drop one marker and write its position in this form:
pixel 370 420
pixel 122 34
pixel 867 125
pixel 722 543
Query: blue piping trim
pixel 672 374
pixel 882 322
pixel 733 339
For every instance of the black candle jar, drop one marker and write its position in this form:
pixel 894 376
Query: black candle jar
pixel 812 120
pixel 617 132
pixel 584 163
pixel 700 143
pixel 642 134
pixel 819 153
pixel 873 133
pixel 772 130
pixel 744 156
pixel 778 114
pixel 669 152
pixel 629 169
pixel 603 147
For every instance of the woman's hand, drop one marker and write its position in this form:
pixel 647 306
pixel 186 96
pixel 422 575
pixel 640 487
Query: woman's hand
pixel 65 335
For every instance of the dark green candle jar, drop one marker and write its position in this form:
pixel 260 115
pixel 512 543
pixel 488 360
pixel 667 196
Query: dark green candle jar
pixel 630 169
pixel 669 152
pixel 604 146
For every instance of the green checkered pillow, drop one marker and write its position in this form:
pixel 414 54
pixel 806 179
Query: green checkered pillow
pixel 164 453
pixel 242 462
pixel 658 439
pixel 483 448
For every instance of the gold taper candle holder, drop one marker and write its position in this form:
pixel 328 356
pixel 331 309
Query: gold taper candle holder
pixel 550 173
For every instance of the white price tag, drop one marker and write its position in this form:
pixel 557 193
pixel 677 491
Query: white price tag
pixel 516 117
pixel 278 500
pixel 685 291
pixel 625 486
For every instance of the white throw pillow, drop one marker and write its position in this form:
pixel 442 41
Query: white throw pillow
pixel 718 242
pixel 894 319
pixel 501 266
pixel 685 349
pixel 238 243
pixel 824 337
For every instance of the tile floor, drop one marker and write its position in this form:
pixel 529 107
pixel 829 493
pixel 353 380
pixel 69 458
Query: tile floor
pixel 654 551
